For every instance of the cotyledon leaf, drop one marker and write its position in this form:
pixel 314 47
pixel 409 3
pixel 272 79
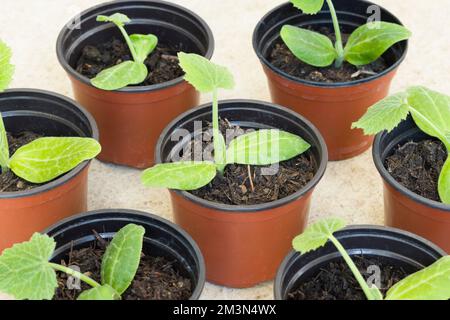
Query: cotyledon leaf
pixel 6 68
pixel 25 273
pixel 144 44
pixel 120 76
pixel 444 183
pixel 118 19
pixel 4 146
pixel 308 6
pixel 45 159
pixel 101 293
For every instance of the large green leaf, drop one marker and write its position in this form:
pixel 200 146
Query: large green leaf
pixel 384 115
pixel 6 68
pixel 444 183
pixel 144 44
pixel 432 283
pixel 367 43
pixel 317 235
pixel 120 76
pixel 308 6
pixel 121 259
pixel 431 112
pixel 308 46
pixel 101 293
pixel 185 176
pixel 25 272
pixel 45 159
pixel 204 75
pixel 265 147
pixel 118 19
pixel 4 146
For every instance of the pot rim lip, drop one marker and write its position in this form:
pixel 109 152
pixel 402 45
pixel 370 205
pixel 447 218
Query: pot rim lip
pixel 259 207
pixel 143 214
pixel 72 174
pixel 387 177
pixel 133 89
pixel 356 228
pixel 309 83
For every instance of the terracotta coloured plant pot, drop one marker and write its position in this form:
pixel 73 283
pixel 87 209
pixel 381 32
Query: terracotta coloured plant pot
pixel 402 249
pixel 25 212
pixel 130 120
pixel 243 245
pixel 331 107
pixel 162 239
pixel 403 208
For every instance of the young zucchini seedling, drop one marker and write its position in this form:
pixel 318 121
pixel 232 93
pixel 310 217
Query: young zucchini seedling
pixel 365 45
pixel 432 283
pixel 27 274
pixel 127 72
pixel 430 111
pixel 263 147
pixel 43 159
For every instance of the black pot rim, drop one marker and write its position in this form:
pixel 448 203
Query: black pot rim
pixel 134 89
pixel 71 174
pixel 105 212
pixel 396 185
pixel 356 228
pixel 260 207
pixel 285 75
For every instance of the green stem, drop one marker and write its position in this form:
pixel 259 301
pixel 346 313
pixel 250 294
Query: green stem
pixel 130 44
pixel 75 274
pixel 353 268
pixel 337 30
pixel 216 131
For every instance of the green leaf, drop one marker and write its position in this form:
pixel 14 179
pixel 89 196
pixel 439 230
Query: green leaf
pixel 317 235
pixel 102 293
pixel 444 183
pixel 25 272
pixel 118 19
pixel 432 283
pixel 120 76
pixel 204 75
pixel 6 68
pixel 4 146
pixel 431 112
pixel 265 147
pixel 308 46
pixel 144 44
pixel 384 115
pixel 308 6
pixel 45 159
pixel 185 176
pixel 121 259
pixel 367 43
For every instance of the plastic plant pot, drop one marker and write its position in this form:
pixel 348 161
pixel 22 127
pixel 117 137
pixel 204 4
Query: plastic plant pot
pixel 402 249
pixel 244 245
pixel 130 120
pixel 331 107
pixel 403 208
pixel 162 239
pixel 25 212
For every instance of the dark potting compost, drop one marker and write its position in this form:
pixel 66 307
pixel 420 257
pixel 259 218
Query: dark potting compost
pixel 9 182
pixel 156 278
pixel 247 185
pixel 162 63
pixel 335 281
pixel 417 166
pixel 282 58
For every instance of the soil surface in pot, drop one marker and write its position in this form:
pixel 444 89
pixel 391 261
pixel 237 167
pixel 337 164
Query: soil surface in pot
pixel 282 58
pixel 246 185
pixel 9 182
pixel 417 166
pixel 162 63
pixel 156 279
pixel 336 281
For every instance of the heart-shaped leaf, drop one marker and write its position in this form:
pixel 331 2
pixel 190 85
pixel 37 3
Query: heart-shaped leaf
pixel 308 6
pixel 6 68
pixel 101 293
pixel 144 44
pixel 310 47
pixel 118 19
pixel 120 76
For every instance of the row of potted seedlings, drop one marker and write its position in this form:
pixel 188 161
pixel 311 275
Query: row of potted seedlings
pixel 240 171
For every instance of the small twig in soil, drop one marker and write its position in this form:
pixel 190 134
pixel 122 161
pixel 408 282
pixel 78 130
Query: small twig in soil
pixel 250 178
pixel 102 241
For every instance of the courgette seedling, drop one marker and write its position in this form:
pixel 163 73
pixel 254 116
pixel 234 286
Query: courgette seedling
pixel 365 45
pixel 27 274
pixel 430 111
pixel 431 283
pixel 43 159
pixel 129 72
pixel 261 148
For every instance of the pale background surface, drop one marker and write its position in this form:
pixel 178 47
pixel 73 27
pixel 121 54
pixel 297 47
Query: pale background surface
pixel 351 189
